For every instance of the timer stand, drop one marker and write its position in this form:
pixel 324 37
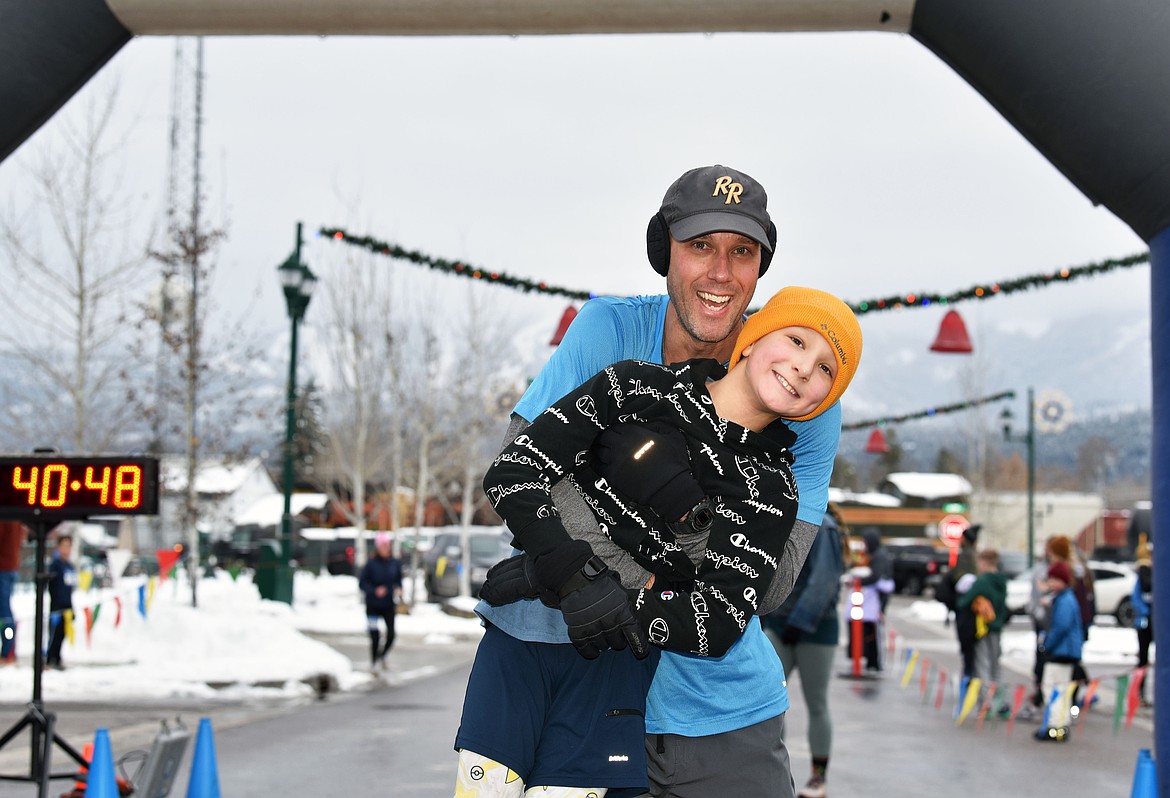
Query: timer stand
pixel 41 724
pixel 42 490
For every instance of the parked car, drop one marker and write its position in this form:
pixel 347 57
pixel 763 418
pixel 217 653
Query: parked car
pixel 1013 563
pixel 441 563
pixel 918 563
pixel 1113 554
pixel 1112 588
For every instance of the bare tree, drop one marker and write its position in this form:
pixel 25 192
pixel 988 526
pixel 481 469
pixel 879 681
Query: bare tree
pixel 481 395
pixel 421 397
pixel 361 344
pixel 75 260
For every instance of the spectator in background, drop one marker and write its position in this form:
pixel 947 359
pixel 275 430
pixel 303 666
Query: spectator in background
pixel 1059 548
pixel 1143 604
pixel 381 583
pixel 986 602
pixel 805 631
pixel 1062 645
pixel 962 577
pixel 62 580
pixel 877 583
pixel 12 536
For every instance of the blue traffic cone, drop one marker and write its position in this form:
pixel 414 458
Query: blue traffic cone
pixel 101 782
pixel 204 781
pixel 1145 777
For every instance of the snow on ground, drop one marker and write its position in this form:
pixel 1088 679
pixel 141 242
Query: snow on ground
pixel 234 645
pixel 237 646
pixel 1111 647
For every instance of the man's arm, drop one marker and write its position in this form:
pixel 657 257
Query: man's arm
pixel 814 450
pixel 821 583
pixel 795 552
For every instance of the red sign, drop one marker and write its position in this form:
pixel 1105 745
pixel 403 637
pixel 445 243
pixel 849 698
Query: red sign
pixel 951 528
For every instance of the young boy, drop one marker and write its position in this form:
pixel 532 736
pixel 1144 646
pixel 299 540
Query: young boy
pixel 714 545
pixel 986 599
pixel 1062 652
pixel 62 580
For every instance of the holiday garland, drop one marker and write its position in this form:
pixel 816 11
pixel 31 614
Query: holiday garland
pixel 929 412
pixel 451 266
pixel 982 291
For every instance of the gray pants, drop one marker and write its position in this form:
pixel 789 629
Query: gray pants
pixel 814 663
pixel 987 652
pixel 747 762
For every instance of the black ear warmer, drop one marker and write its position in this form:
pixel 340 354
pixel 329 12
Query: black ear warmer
pixel 658 245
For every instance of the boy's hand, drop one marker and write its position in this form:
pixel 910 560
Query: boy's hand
pixel 600 615
pixel 509 580
pixel 649 463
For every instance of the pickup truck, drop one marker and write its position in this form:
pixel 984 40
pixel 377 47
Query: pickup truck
pixel 918 563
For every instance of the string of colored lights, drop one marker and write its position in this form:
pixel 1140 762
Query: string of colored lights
pixel 941 410
pixel 455 267
pixel 891 302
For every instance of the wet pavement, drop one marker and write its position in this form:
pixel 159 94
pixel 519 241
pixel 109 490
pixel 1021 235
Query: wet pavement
pixel 395 738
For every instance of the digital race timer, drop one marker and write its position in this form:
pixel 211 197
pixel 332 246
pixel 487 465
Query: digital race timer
pixel 52 487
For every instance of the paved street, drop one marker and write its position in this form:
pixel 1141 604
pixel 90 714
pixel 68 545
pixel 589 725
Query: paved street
pixel 395 740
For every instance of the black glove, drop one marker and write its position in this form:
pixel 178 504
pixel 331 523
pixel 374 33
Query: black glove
pixel 648 463
pixel 790 635
pixel 554 569
pixel 510 580
pixel 600 615
pixel 525 576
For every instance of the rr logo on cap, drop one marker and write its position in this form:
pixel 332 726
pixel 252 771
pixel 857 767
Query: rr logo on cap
pixel 725 185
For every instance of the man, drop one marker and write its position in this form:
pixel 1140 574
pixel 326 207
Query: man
pixel 713 726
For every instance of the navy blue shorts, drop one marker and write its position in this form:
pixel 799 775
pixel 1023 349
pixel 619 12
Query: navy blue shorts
pixel 556 718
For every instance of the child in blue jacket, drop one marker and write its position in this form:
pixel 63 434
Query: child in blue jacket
pixel 1062 651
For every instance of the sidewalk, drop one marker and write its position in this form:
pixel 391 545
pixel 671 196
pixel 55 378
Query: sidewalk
pixel 893 740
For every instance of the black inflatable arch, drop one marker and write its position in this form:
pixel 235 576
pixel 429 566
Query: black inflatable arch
pixel 1087 82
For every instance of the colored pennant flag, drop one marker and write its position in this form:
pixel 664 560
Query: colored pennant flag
pixel 97 611
pixel 117 611
pixel 942 685
pixel 151 584
pixel 1087 701
pixel 167 563
pixel 67 616
pixel 84 581
pixel 924 686
pixel 988 705
pixel 1017 702
pixel 911 663
pixel 1134 696
pixel 54 621
pixel 88 627
pixel 1119 707
pixel 142 600
pixel 970 699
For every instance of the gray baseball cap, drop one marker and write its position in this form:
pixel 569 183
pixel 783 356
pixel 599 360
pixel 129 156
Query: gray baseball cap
pixel 714 199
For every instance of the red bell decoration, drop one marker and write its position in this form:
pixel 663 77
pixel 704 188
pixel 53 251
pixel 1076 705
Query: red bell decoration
pixel 952 335
pixel 563 327
pixel 877 443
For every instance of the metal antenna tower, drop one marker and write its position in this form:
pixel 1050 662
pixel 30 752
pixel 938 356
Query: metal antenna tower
pixel 180 278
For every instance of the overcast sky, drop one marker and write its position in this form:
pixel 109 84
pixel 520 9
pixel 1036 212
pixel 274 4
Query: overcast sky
pixel 544 157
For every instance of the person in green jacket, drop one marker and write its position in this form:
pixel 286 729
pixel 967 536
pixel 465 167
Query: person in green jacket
pixel 986 600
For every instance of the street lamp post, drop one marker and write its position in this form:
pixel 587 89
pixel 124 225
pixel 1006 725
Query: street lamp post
pixel 1029 439
pixel 298 282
